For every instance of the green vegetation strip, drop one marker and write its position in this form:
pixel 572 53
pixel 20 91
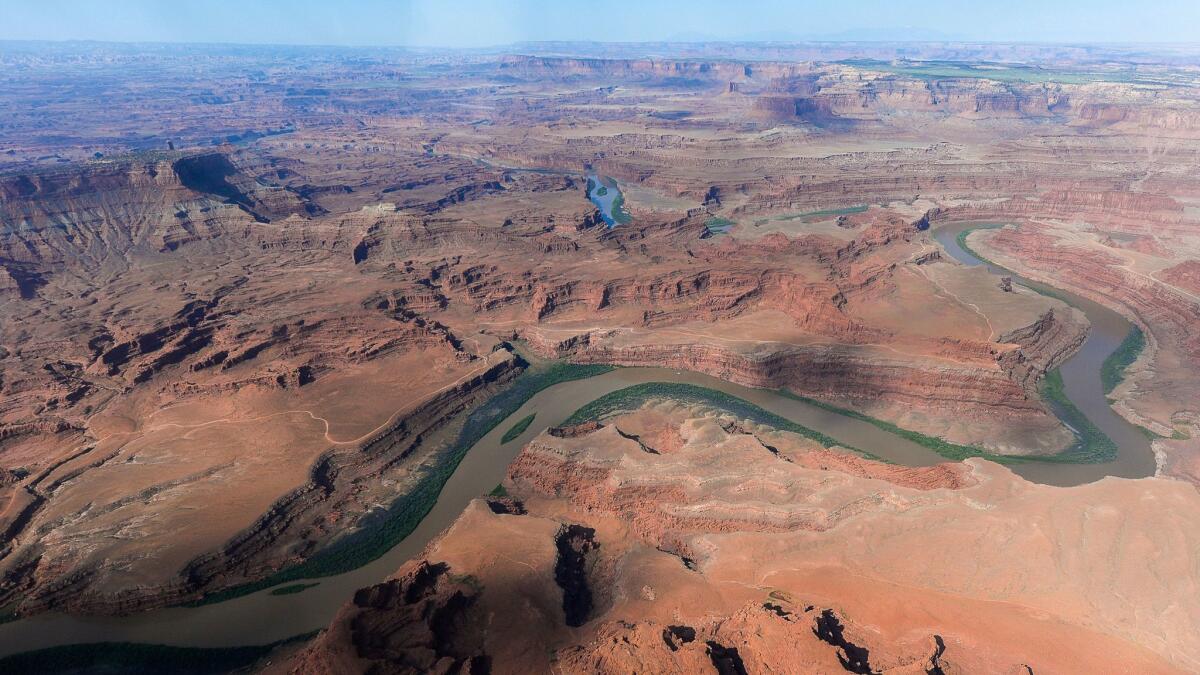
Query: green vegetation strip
pixel 1113 369
pixel 294 588
pixel 406 512
pixel 1039 288
pixel 517 429
pixel 1092 445
pixel 130 657
pixel 1075 455
pixel 940 446
pixel 632 398
pixel 961 240
pixel 619 213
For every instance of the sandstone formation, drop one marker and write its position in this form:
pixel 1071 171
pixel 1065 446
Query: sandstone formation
pixel 737 548
pixel 249 296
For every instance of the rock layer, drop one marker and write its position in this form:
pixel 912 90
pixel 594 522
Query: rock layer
pixel 262 285
pixel 717 555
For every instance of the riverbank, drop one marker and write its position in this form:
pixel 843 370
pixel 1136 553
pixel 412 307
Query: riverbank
pixel 554 393
pixel 632 398
pixel 266 616
pixel 1074 390
pixel 372 540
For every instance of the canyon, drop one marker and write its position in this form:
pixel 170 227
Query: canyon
pixel 255 318
pixel 710 538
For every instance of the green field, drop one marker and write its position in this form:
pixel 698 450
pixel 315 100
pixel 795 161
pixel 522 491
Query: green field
pixel 406 512
pixel 517 429
pixel 1113 370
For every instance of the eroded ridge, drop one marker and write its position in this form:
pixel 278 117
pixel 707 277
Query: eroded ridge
pixel 717 555
pixel 243 326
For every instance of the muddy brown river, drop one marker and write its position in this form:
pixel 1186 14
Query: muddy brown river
pixel 262 618
pixel 1081 381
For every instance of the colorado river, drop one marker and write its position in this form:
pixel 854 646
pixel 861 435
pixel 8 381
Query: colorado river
pixel 261 618
pixel 605 194
pixel 1081 380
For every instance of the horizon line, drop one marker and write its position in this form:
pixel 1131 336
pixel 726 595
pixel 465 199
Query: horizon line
pixel 1058 43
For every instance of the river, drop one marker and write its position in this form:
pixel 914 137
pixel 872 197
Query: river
pixel 604 192
pixel 1081 380
pixel 261 618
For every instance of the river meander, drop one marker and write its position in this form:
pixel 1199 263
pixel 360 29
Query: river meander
pixel 1081 380
pixel 261 617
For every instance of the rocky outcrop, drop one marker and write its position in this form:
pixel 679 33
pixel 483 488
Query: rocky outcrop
pixel 566 469
pixel 769 636
pixel 1185 275
pixel 852 374
pixel 1169 311
pixel 1178 121
pixel 717 556
pixel 1130 211
pixel 412 624
pixel 574 544
pixel 298 525
pixel 1041 347
pixel 97 216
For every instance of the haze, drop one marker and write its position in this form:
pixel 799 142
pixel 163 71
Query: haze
pixel 481 23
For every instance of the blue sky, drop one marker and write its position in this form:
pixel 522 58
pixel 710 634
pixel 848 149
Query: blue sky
pixel 477 23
